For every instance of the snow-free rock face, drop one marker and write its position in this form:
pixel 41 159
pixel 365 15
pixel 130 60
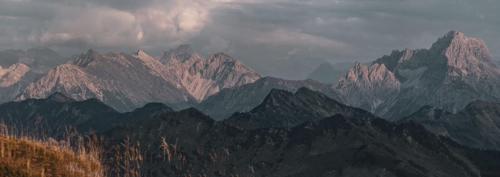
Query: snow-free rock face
pixel 371 84
pixel 120 80
pixel 13 74
pixel 13 79
pixel 455 71
pixel 204 77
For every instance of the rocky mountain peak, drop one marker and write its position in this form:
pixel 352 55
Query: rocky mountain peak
pixel 445 40
pixel 283 108
pixel 86 58
pixel 222 55
pixel 147 59
pixel 274 97
pixel 181 53
pixel 141 52
pixel 220 59
pixel 468 56
pixel 457 46
pixel 455 71
pixel 204 77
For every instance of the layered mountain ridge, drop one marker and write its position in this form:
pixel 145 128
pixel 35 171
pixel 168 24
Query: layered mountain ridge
pixel 121 80
pixel 477 125
pixel 129 81
pixel 455 71
pixel 282 108
pixel 244 98
pixel 353 142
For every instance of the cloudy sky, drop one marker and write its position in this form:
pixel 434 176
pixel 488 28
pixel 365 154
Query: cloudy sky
pixel 285 38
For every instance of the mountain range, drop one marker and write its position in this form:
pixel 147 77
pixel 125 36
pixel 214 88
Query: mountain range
pixel 455 71
pixel 18 68
pixel 353 142
pixel 120 80
pixel 128 81
pixel 415 112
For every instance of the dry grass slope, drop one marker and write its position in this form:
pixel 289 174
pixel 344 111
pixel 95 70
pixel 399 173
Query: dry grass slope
pixel 23 157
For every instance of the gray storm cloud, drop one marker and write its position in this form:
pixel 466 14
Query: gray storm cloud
pixel 265 34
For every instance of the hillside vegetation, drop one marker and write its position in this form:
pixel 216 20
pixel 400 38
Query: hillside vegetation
pixel 24 157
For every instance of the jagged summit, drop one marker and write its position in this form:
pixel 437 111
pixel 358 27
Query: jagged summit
pixel 222 55
pixel 141 52
pixel 204 77
pixel 445 40
pixel 181 53
pixel 149 60
pixel 455 71
pixel 86 58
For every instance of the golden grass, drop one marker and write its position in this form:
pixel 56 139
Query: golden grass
pixel 27 157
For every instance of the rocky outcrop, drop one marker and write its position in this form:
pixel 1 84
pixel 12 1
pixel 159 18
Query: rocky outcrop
pixel 13 80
